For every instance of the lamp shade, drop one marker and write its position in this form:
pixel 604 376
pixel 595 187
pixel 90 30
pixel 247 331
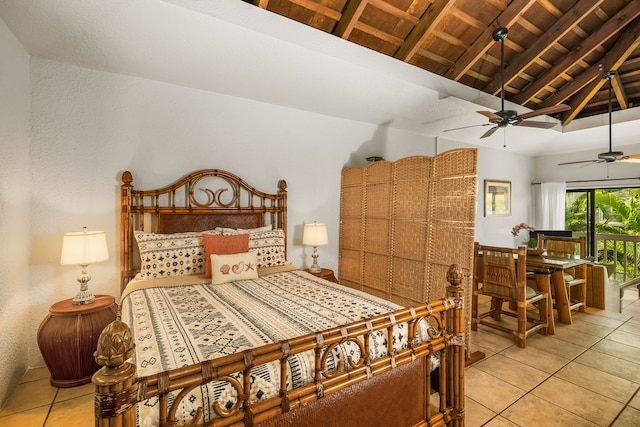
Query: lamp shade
pixel 84 247
pixel 315 235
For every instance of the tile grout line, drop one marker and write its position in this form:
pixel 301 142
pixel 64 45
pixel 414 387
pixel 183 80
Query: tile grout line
pixel 558 370
pixel 46 418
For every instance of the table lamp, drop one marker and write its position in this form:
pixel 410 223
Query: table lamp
pixel 315 235
pixel 84 248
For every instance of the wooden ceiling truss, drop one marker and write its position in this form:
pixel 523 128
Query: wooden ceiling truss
pixel 556 51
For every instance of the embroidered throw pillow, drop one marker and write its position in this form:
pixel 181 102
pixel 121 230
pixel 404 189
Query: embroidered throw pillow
pixel 269 247
pixel 227 268
pixel 165 255
pixel 223 245
pixel 228 231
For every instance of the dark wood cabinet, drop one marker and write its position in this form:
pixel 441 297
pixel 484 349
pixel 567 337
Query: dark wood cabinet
pixel 68 336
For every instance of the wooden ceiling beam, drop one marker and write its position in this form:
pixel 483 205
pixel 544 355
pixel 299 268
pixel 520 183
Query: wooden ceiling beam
pixel 559 29
pixel 467 19
pixel 508 17
pixel 318 8
pixel 429 20
pixel 628 42
pixel 571 88
pixel 350 18
pixel 618 90
pixel 583 96
pixel 379 34
pixel 551 8
pixel 579 52
pixel 394 11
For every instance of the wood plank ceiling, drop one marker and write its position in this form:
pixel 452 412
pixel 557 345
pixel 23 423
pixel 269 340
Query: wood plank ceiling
pixel 556 51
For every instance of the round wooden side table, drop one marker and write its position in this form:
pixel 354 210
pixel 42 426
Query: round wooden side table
pixel 68 336
pixel 324 273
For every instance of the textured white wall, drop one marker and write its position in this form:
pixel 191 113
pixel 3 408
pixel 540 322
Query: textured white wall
pixel 590 175
pixel 89 126
pixel 14 211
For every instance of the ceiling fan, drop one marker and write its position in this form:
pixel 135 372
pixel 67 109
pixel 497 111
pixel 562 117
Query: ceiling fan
pixel 502 118
pixel 610 156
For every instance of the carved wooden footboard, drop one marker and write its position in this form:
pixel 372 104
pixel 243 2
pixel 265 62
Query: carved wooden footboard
pixel 118 389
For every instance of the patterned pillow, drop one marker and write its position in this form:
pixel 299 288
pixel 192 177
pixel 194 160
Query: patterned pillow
pixel 269 247
pixel 165 255
pixel 227 268
pixel 223 245
pixel 229 231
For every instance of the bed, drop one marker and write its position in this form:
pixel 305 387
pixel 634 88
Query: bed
pixel 266 344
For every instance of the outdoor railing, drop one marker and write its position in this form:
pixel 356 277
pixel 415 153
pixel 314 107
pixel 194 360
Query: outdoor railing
pixel 620 250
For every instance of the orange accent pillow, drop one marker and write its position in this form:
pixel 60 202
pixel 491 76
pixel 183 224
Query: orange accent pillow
pixel 223 245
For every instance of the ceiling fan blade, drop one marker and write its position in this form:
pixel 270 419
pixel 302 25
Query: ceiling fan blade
pixel 466 127
pixel 535 124
pixel 580 161
pixel 489 132
pixel 631 158
pixel 490 115
pixel 545 111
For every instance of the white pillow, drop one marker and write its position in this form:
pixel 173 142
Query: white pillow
pixel 227 268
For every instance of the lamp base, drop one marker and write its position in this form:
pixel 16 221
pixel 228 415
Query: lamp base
pixel 315 268
pixel 84 296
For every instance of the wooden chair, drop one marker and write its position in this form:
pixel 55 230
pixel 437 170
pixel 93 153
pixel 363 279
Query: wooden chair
pixel 499 275
pixel 575 279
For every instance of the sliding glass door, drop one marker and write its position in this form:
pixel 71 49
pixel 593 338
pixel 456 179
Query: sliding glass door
pixel 610 220
pixel 580 216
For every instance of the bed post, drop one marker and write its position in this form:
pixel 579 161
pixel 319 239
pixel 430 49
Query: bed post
pixel 115 387
pixel 126 230
pixel 282 209
pixel 455 323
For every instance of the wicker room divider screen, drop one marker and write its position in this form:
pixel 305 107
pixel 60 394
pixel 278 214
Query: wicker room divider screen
pixel 403 223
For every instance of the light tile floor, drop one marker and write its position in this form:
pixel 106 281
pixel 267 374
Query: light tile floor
pixel 587 374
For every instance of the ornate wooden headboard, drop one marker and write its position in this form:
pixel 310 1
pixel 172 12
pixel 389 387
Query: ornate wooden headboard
pixel 199 201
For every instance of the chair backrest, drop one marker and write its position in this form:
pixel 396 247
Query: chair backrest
pixel 500 274
pixel 564 247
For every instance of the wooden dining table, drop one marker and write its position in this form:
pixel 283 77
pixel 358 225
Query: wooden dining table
pixel 549 274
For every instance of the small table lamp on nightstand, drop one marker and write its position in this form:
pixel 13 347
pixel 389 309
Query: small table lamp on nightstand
pixel 315 235
pixel 84 248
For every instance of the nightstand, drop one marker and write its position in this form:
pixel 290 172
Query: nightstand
pixel 68 336
pixel 325 273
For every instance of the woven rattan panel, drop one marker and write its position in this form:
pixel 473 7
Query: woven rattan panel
pixel 403 223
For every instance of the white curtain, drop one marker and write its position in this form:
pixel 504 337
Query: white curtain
pixel 548 204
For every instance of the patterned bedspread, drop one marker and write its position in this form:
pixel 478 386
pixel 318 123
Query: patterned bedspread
pixel 176 324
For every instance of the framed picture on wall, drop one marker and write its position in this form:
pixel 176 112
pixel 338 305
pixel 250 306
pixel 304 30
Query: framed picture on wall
pixel 497 197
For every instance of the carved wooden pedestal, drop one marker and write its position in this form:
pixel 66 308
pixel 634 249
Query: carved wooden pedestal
pixel 68 336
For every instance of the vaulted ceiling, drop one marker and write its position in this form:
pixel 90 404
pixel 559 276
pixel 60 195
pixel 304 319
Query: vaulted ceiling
pixel 556 51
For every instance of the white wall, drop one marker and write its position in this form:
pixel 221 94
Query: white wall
pixel 14 211
pixel 90 126
pixel 590 175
